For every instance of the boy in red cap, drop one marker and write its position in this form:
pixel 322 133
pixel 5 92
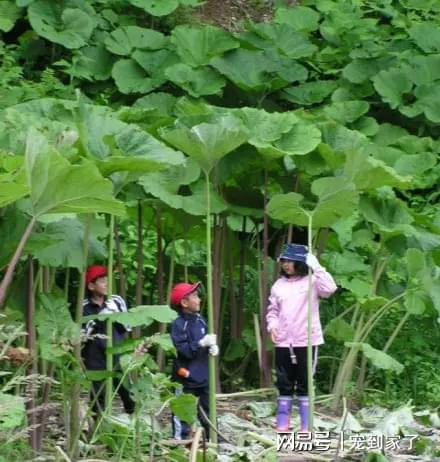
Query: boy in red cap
pixel 193 344
pixel 94 351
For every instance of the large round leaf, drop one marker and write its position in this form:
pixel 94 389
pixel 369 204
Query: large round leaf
pixel 196 45
pixel 131 78
pixel 337 197
pixel 207 143
pixel 56 186
pixel 125 40
pixel 197 82
pixel 9 14
pixel 67 22
pixel 156 7
pixel 301 139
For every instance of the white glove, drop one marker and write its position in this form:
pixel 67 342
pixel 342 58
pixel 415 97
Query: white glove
pixel 312 262
pixel 213 350
pixel 90 327
pixel 208 340
pixel 110 307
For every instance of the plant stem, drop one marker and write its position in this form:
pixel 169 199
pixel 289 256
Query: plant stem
pixel 109 323
pixel 310 384
pixel 212 371
pixel 74 424
pixel 7 278
pixel 396 331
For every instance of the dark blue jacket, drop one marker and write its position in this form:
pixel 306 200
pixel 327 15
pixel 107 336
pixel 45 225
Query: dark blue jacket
pixel 186 331
pixel 93 352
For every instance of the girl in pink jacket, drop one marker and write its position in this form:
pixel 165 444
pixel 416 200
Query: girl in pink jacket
pixel 287 324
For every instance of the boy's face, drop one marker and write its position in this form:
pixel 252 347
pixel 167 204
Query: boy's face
pixel 288 266
pixel 191 303
pixel 98 286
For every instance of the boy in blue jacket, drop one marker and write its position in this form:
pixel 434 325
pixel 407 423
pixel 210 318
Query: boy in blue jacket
pixel 193 344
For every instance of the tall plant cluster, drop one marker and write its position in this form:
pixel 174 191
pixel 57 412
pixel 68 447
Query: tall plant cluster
pixel 320 124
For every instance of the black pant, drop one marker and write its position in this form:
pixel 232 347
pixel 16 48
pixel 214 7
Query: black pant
pixel 98 391
pixel 291 375
pixel 203 394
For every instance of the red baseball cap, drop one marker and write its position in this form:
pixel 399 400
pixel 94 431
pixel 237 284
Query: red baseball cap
pixel 181 290
pixel 94 272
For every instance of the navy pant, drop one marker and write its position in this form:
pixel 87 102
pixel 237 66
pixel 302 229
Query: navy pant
pixel 181 429
pixel 98 391
pixel 292 377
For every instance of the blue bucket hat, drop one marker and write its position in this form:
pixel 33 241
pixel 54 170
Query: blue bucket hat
pixel 294 252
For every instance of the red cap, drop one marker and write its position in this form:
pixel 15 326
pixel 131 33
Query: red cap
pixel 181 290
pixel 94 272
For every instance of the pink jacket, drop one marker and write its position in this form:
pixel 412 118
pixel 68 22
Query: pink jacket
pixel 287 310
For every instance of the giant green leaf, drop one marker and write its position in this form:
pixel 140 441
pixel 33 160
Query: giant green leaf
pixel 415 164
pixel 185 407
pixel 341 138
pixel 281 37
pixel 368 173
pixel 156 7
pixel 197 82
pixel 137 151
pixel 194 203
pixel 196 45
pixel 8 16
pixel 339 330
pixel 142 315
pixel 249 70
pixel 265 127
pixel 58 186
pixel 301 139
pixel 131 78
pixel 301 18
pixel 310 92
pixel 12 411
pixel 337 197
pixel 427 36
pixel 92 63
pixel 388 214
pixel 67 22
pixel 378 358
pixel 428 102
pixel 207 143
pixel 55 326
pixel 346 111
pixel 12 187
pixel 392 85
pixel 125 40
pixel 62 243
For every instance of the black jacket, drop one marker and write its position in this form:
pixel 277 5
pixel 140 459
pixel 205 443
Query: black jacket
pixel 186 331
pixel 93 352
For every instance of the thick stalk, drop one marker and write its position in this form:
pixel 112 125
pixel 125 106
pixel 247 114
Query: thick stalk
pixel 7 278
pixel 233 329
pixel 396 332
pixel 140 255
pixel 160 286
pixel 217 270
pixel 74 427
pixel 109 323
pixel 241 287
pixel 163 326
pixel 66 284
pixel 31 345
pixel 310 384
pixel 266 373
pixel 119 264
pixel 212 364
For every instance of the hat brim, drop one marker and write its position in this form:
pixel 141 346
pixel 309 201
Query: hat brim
pixel 193 288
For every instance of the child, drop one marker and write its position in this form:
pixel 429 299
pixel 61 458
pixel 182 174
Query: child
pixel 94 351
pixel 190 368
pixel 287 324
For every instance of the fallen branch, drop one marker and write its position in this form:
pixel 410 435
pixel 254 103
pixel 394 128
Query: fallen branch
pixel 195 445
pixel 63 454
pixel 258 392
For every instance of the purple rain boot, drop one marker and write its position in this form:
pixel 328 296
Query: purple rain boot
pixel 303 405
pixel 284 408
